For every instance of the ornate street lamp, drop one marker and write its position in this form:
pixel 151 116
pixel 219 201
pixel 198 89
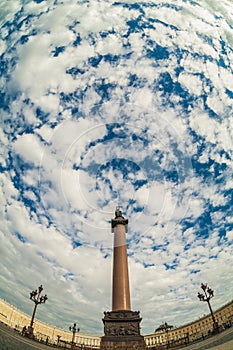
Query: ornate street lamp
pixel 208 294
pixel 74 329
pixel 36 297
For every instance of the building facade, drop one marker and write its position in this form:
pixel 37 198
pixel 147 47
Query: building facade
pixel 187 333
pixel 17 319
pixel 190 332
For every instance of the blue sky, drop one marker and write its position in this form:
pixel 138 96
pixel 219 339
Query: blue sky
pixel 107 103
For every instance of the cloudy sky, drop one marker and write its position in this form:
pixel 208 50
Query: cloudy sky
pixel 108 103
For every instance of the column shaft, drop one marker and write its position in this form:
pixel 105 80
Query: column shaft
pixel 120 287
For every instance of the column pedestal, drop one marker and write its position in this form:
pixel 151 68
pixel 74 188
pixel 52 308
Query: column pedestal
pixel 122 331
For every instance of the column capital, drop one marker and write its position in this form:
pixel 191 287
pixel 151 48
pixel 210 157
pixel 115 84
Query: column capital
pixel 119 219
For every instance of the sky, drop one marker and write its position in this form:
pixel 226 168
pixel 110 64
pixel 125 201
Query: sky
pixel 108 103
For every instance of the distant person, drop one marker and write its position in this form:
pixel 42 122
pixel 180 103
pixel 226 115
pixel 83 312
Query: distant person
pixel 24 330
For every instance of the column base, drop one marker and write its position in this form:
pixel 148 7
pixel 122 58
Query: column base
pixel 125 345
pixel 122 331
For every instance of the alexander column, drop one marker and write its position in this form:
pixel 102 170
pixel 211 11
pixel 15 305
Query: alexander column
pixel 121 325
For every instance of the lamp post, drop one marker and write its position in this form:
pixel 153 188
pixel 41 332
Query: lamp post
pixel 74 329
pixel 36 297
pixel 208 294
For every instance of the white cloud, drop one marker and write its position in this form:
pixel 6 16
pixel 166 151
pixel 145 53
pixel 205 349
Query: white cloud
pixel 29 148
pixel 229 235
pixel 191 82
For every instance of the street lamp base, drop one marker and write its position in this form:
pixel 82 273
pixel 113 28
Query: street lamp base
pixel 215 330
pixel 29 333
